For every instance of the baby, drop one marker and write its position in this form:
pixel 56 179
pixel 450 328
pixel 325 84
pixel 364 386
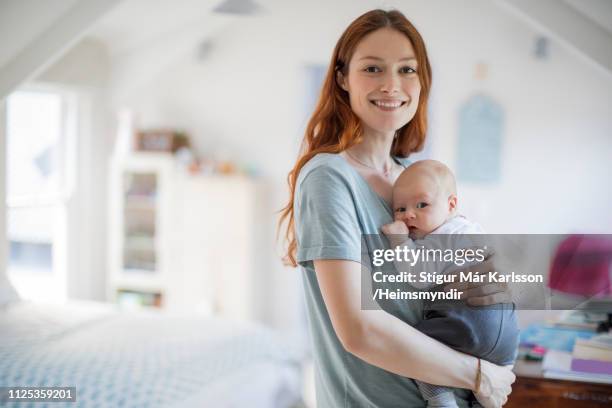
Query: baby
pixel 425 206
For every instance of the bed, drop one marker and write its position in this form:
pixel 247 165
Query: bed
pixel 145 358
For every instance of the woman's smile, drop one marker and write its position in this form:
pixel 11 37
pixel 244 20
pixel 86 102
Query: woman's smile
pixel 388 105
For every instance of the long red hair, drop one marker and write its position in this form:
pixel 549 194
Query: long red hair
pixel 334 127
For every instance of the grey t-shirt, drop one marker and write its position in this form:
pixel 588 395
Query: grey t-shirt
pixel 333 207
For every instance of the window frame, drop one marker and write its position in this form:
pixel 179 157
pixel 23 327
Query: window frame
pixel 55 285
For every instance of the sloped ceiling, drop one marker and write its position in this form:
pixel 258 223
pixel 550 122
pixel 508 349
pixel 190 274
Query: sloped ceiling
pixel 15 36
pixel 583 26
pixel 144 37
pixel 600 11
pixel 33 34
pixel 135 23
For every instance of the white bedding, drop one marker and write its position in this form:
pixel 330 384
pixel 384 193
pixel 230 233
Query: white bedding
pixel 145 359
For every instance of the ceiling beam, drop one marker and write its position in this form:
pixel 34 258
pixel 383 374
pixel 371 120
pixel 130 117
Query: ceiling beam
pixel 569 27
pixel 44 49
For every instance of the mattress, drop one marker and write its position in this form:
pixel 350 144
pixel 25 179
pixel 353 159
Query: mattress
pixel 145 358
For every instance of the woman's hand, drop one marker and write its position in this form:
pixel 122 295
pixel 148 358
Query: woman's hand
pixel 495 384
pixel 483 293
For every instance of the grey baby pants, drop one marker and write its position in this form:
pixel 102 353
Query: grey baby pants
pixel 489 332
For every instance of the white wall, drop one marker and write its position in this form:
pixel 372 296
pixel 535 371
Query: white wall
pixel 245 99
pixel 558 134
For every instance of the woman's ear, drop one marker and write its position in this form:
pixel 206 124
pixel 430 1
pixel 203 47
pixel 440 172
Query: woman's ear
pixel 340 80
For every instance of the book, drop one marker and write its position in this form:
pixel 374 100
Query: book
pixel 596 348
pixel 591 366
pixel 601 341
pixel 558 365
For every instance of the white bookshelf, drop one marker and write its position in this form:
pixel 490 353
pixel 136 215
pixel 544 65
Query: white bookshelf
pixel 187 240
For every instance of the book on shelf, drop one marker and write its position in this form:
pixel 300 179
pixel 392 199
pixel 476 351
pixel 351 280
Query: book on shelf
pixel 598 348
pixel 591 366
pixel 601 341
pixel 558 365
pixel 589 360
pixel 132 299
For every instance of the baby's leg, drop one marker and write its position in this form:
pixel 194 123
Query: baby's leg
pixel 437 396
pixel 489 332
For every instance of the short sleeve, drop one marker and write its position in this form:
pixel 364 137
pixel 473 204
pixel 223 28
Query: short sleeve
pixel 325 217
pixel 403 161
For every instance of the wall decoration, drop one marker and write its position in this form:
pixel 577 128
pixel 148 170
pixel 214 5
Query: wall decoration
pixel 479 147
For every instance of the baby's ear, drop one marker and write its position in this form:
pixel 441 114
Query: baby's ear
pixel 452 203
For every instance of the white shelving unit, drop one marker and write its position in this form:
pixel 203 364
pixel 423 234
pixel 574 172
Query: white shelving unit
pixel 180 242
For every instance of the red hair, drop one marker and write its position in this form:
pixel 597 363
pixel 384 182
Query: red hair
pixel 334 127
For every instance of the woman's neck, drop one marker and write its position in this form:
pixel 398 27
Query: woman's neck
pixel 374 150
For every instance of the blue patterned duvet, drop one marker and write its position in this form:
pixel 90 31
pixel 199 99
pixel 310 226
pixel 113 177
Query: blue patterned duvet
pixel 143 359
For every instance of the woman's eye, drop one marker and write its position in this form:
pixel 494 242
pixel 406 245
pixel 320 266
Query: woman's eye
pixel 400 209
pixel 407 70
pixel 372 70
pixel 421 205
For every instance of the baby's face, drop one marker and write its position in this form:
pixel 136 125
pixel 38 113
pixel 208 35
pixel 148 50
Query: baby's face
pixel 421 204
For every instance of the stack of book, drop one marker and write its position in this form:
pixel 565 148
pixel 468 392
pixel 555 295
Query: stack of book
pixel 590 360
pixel 593 355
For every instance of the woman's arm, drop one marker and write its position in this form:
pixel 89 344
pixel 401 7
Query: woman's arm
pixel 385 341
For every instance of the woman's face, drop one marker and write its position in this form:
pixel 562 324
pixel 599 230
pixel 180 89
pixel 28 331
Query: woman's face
pixel 382 81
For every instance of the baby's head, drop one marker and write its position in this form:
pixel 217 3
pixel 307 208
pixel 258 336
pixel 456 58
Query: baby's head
pixel 424 197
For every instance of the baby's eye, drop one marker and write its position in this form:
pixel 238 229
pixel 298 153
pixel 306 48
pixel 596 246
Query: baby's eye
pixel 372 69
pixel 407 70
pixel 421 205
pixel 400 209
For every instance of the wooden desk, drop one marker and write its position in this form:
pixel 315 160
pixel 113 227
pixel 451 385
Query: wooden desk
pixel 533 390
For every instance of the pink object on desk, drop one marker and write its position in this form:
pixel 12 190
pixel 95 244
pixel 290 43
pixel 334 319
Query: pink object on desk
pixel 538 350
pixel 581 266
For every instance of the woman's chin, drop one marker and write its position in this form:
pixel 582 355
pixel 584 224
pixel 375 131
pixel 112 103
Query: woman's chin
pixel 387 126
pixel 390 127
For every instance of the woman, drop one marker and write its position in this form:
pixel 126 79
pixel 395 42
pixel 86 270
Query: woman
pixel 371 115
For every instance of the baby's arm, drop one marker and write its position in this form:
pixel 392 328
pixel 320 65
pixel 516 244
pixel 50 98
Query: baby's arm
pixel 396 232
pixel 398 235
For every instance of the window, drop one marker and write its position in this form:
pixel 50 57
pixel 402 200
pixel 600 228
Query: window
pixel 38 175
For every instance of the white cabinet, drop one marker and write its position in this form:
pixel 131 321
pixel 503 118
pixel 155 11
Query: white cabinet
pixel 179 241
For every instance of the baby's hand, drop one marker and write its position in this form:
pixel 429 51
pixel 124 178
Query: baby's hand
pixel 395 228
pixel 397 232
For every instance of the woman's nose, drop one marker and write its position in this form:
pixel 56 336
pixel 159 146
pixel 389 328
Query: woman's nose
pixel 390 83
